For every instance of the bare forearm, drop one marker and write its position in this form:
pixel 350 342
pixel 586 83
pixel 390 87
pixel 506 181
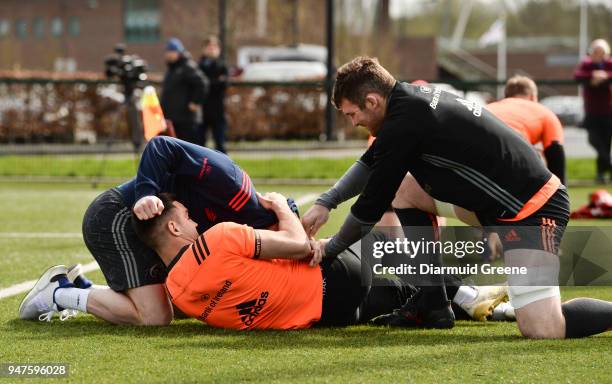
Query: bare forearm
pixel 281 245
pixel 289 224
pixel 290 241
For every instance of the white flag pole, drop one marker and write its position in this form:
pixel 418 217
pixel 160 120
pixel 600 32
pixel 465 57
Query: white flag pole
pixel 584 33
pixel 583 29
pixel 502 55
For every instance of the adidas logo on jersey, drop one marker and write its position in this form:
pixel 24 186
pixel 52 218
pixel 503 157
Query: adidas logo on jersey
pixel 512 236
pixel 472 106
pixel 210 215
pixel 249 310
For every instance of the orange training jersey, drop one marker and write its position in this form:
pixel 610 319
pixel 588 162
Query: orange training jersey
pixel 217 281
pixel 531 119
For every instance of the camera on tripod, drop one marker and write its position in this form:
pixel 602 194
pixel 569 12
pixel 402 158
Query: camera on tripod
pixel 130 70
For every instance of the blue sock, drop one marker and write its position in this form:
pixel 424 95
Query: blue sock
pixel 82 282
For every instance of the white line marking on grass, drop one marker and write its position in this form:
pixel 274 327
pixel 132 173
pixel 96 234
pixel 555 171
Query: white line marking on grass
pixel 77 235
pixel 306 199
pixel 39 235
pixel 27 285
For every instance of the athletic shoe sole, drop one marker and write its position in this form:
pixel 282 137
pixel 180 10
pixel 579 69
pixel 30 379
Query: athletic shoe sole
pixel 40 285
pixel 485 309
pixel 74 272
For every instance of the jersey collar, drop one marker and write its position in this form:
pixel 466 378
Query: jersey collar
pixel 177 257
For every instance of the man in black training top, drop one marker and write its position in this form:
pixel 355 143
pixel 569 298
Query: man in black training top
pixel 459 154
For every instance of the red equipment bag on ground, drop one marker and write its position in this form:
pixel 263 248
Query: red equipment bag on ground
pixel 599 207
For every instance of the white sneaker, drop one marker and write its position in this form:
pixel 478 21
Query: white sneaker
pixel 74 272
pixel 38 303
pixel 487 299
pixel 504 312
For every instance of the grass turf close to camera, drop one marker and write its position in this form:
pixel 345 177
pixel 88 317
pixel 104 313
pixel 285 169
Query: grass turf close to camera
pixel 188 351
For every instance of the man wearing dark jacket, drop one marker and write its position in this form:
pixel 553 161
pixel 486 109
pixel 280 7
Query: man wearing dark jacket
pixel 213 110
pixel 184 90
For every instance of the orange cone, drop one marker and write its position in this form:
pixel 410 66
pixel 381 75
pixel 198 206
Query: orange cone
pixel 152 114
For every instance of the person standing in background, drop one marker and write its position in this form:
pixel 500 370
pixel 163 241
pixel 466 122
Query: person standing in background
pixel 595 74
pixel 183 91
pixel 521 111
pixel 214 110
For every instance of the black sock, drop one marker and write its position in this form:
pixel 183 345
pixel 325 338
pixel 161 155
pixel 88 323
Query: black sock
pixel 422 226
pixel 586 317
pixel 413 217
pixel 452 284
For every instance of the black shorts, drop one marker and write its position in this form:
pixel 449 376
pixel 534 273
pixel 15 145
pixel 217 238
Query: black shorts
pixel 125 261
pixel 343 290
pixel 351 294
pixel 543 230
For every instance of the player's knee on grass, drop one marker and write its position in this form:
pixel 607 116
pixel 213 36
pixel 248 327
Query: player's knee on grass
pixel 152 304
pixel 541 318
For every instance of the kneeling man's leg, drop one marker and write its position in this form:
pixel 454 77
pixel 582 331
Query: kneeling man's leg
pixel 538 308
pixel 134 272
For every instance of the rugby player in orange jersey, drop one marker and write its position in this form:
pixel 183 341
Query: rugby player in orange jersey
pixel 538 124
pixel 235 276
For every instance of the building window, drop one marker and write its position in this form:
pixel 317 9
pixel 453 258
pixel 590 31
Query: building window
pixel 38 27
pixel 74 26
pixel 21 29
pixel 141 20
pixel 5 27
pixel 57 27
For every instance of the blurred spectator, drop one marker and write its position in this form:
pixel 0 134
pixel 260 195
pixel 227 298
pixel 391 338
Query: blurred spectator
pixel 214 110
pixel 183 91
pixel 595 72
pixel 520 110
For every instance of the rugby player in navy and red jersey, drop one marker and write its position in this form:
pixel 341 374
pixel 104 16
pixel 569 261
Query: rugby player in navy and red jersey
pixel 460 154
pixel 210 185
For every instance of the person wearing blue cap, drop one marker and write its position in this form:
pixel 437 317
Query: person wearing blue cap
pixel 183 91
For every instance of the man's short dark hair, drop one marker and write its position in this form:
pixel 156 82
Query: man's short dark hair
pixel 210 39
pixel 361 76
pixel 150 231
pixel 520 86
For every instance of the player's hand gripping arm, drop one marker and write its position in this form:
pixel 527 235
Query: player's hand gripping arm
pixel 290 241
pixel 348 186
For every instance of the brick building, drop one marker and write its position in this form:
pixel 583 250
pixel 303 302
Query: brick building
pixel 78 34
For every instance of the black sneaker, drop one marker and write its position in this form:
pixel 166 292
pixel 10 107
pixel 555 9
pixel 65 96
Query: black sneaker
pixel 410 316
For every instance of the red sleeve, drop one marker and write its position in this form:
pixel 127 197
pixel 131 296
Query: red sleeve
pixel 583 72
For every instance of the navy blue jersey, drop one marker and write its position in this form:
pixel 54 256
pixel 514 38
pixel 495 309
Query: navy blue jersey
pixel 212 187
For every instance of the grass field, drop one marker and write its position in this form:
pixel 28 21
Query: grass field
pixel 188 351
pixel 72 166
